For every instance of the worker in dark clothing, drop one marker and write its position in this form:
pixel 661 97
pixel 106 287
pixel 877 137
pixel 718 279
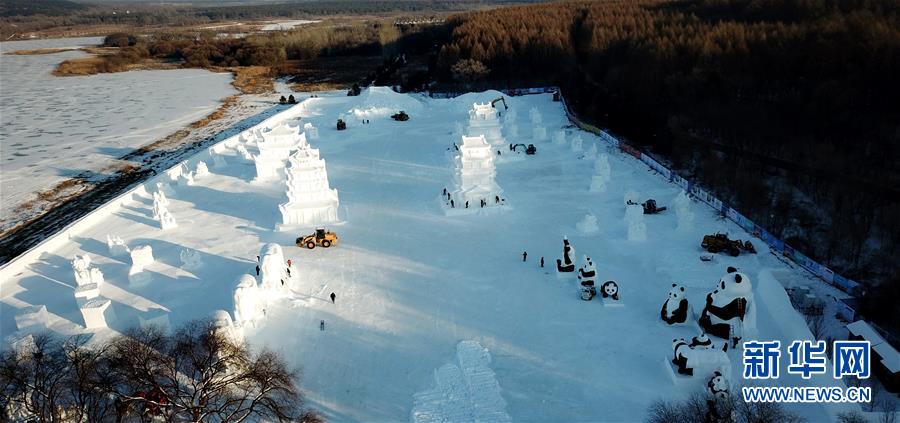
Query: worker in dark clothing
pixel 288 271
pixel 451 204
pixel 322 325
pixel 524 255
pixel 257 270
pixel 467 204
pixel 333 297
pixel 496 199
pixel 445 191
pixel 542 261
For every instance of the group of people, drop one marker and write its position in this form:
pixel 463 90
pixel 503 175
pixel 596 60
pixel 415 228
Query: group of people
pixel 333 296
pixel 483 202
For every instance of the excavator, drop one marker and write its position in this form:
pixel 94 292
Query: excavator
pixel 501 99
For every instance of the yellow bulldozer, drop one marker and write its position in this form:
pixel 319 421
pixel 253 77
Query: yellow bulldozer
pixel 321 238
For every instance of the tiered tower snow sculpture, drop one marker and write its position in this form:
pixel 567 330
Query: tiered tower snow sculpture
pixel 275 148
pixel 602 171
pixel 310 198
pixel 484 120
pixel 683 211
pixel 475 172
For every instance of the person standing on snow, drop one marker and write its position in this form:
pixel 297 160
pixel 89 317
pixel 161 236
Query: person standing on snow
pixel 542 261
pixel 333 296
pixel 524 255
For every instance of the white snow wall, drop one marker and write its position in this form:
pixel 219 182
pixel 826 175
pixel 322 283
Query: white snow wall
pixel 77 227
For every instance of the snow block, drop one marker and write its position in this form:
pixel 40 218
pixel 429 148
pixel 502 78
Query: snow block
pixel 248 303
pixel 190 259
pixel 683 213
pixel 311 131
pixel 98 313
pixel 634 218
pixel 559 138
pixel 32 318
pixel 156 317
pixel 588 225
pixel 141 257
pixel 202 170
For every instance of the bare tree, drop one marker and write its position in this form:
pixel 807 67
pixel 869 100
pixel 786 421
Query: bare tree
pixel 199 374
pixel 816 323
pixel 33 378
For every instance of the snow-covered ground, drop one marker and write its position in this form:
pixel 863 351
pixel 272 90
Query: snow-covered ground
pixel 436 316
pixel 54 128
pixel 285 25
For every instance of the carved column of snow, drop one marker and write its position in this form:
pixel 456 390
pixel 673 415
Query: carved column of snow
pixel 634 218
pixel 602 172
pixel 683 213
pixel 116 246
pixel 248 304
pixel 475 174
pixel 97 313
pixel 310 198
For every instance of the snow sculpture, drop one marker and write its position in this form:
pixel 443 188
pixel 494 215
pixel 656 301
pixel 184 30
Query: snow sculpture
pixel 157 318
pixel 190 259
pixel 140 257
pixel 591 153
pixel 730 312
pixel 513 130
pixel 539 133
pixel 535 116
pixel 159 200
pixel 310 198
pixel 248 306
pixel 559 138
pixel 483 121
pixel 586 276
pixel 273 269
pixel 275 148
pixel 566 264
pixel 202 170
pixel 683 211
pixel 588 225
pixel 475 173
pixel 164 188
pixel 186 179
pixel 243 152
pixel 609 291
pixel 86 292
pixel 703 360
pixel 311 131
pixel 217 157
pixel 85 273
pixel 225 326
pixel 602 173
pixel 634 218
pixel 97 313
pixel 577 144
pixel 32 318
pixel 166 220
pixel 116 246
pixel 676 308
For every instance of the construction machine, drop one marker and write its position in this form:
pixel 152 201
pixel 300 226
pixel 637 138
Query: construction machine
pixel 650 207
pixel 501 99
pixel 341 125
pixel 400 117
pixel 321 238
pixel 720 242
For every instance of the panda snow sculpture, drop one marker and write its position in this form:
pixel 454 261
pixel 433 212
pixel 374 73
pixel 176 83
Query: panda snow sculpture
pixel 717 395
pixel 675 309
pixel 704 360
pixel 730 312
pixel 586 276
pixel 610 290
pixel 567 263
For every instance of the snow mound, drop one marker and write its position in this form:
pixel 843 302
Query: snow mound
pixel 462 104
pixel 588 225
pixel 466 390
pixel 380 102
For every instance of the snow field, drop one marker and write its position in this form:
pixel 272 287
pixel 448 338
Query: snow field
pixel 418 289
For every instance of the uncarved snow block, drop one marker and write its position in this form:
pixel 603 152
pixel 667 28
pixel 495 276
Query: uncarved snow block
pixel 140 257
pixel 97 313
pixel 116 246
pixel 33 317
pixel 155 318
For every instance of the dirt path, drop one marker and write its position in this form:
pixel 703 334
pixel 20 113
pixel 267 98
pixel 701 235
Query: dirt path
pixel 74 198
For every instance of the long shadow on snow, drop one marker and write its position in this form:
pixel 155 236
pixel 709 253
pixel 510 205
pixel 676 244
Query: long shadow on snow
pixel 259 208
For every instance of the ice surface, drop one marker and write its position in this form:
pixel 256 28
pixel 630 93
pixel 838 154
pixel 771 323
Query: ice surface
pixel 57 128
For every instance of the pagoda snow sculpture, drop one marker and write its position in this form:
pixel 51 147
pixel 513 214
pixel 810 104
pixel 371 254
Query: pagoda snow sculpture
pixel 311 201
pixel 275 148
pixel 475 173
pixel 483 120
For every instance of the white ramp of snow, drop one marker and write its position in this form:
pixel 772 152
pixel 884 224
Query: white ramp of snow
pixel 464 391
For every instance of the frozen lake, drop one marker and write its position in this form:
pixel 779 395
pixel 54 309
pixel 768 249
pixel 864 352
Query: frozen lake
pixel 54 128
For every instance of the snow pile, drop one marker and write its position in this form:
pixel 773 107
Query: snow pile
pixel 202 170
pixel 685 216
pixel 588 225
pixel 248 304
pixel 602 171
pixel 85 273
pixel 190 259
pixel 161 212
pixel 475 173
pixel 634 218
pixel 559 138
pixel 381 102
pixel 464 391
pixel 116 246
pixel 275 147
pixel 141 257
pixel 311 200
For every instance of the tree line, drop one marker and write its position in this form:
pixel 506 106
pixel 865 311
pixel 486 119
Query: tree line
pixel 785 109
pixel 196 373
